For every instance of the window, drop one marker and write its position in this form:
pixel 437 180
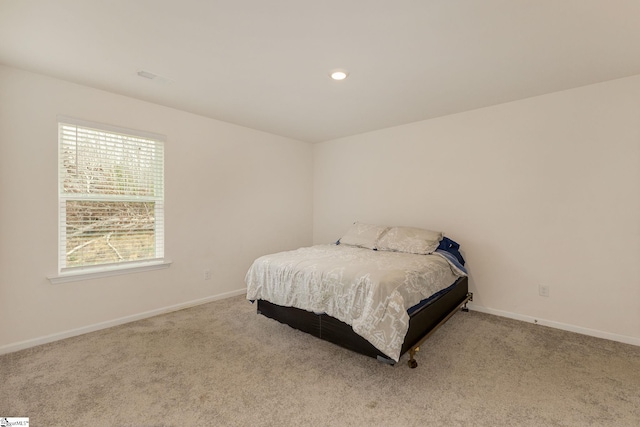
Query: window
pixel 111 197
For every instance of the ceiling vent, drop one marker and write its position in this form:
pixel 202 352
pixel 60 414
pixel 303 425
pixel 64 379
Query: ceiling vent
pixel 155 77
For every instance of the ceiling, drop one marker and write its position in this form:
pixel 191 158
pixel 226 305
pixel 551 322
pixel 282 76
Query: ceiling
pixel 264 64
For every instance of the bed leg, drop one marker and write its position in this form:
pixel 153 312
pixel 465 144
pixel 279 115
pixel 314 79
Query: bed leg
pixel 469 298
pixel 412 361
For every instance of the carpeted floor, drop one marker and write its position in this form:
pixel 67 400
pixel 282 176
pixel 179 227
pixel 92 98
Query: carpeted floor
pixel 220 364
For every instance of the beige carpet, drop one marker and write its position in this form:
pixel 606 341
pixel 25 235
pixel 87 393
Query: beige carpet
pixel 220 364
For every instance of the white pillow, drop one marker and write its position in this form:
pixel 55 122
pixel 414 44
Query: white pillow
pixel 409 239
pixel 363 235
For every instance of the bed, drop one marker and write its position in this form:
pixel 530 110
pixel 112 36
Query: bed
pixel 380 291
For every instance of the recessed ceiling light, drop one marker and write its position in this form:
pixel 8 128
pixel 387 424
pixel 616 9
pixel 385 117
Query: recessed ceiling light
pixel 339 74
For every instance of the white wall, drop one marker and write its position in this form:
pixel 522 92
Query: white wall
pixel 232 194
pixel 540 191
pixel 544 190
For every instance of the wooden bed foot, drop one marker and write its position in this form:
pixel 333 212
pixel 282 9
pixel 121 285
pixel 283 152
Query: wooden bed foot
pixel 412 361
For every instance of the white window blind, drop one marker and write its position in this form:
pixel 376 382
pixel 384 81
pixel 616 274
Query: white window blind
pixel 111 195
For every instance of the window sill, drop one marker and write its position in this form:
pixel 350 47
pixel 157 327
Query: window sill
pixel 98 272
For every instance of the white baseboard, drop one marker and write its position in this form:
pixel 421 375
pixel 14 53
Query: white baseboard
pixel 557 325
pixel 10 348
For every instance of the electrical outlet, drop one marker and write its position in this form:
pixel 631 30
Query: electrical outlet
pixel 543 290
pixel 207 274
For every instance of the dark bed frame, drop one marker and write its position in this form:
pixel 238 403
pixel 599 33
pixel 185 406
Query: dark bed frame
pixel 422 323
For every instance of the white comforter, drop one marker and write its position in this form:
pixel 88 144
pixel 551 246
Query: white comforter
pixel 369 290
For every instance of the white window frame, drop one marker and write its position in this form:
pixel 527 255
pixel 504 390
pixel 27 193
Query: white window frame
pixel 67 274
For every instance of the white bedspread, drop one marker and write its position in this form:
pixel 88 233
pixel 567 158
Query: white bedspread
pixel 369 290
